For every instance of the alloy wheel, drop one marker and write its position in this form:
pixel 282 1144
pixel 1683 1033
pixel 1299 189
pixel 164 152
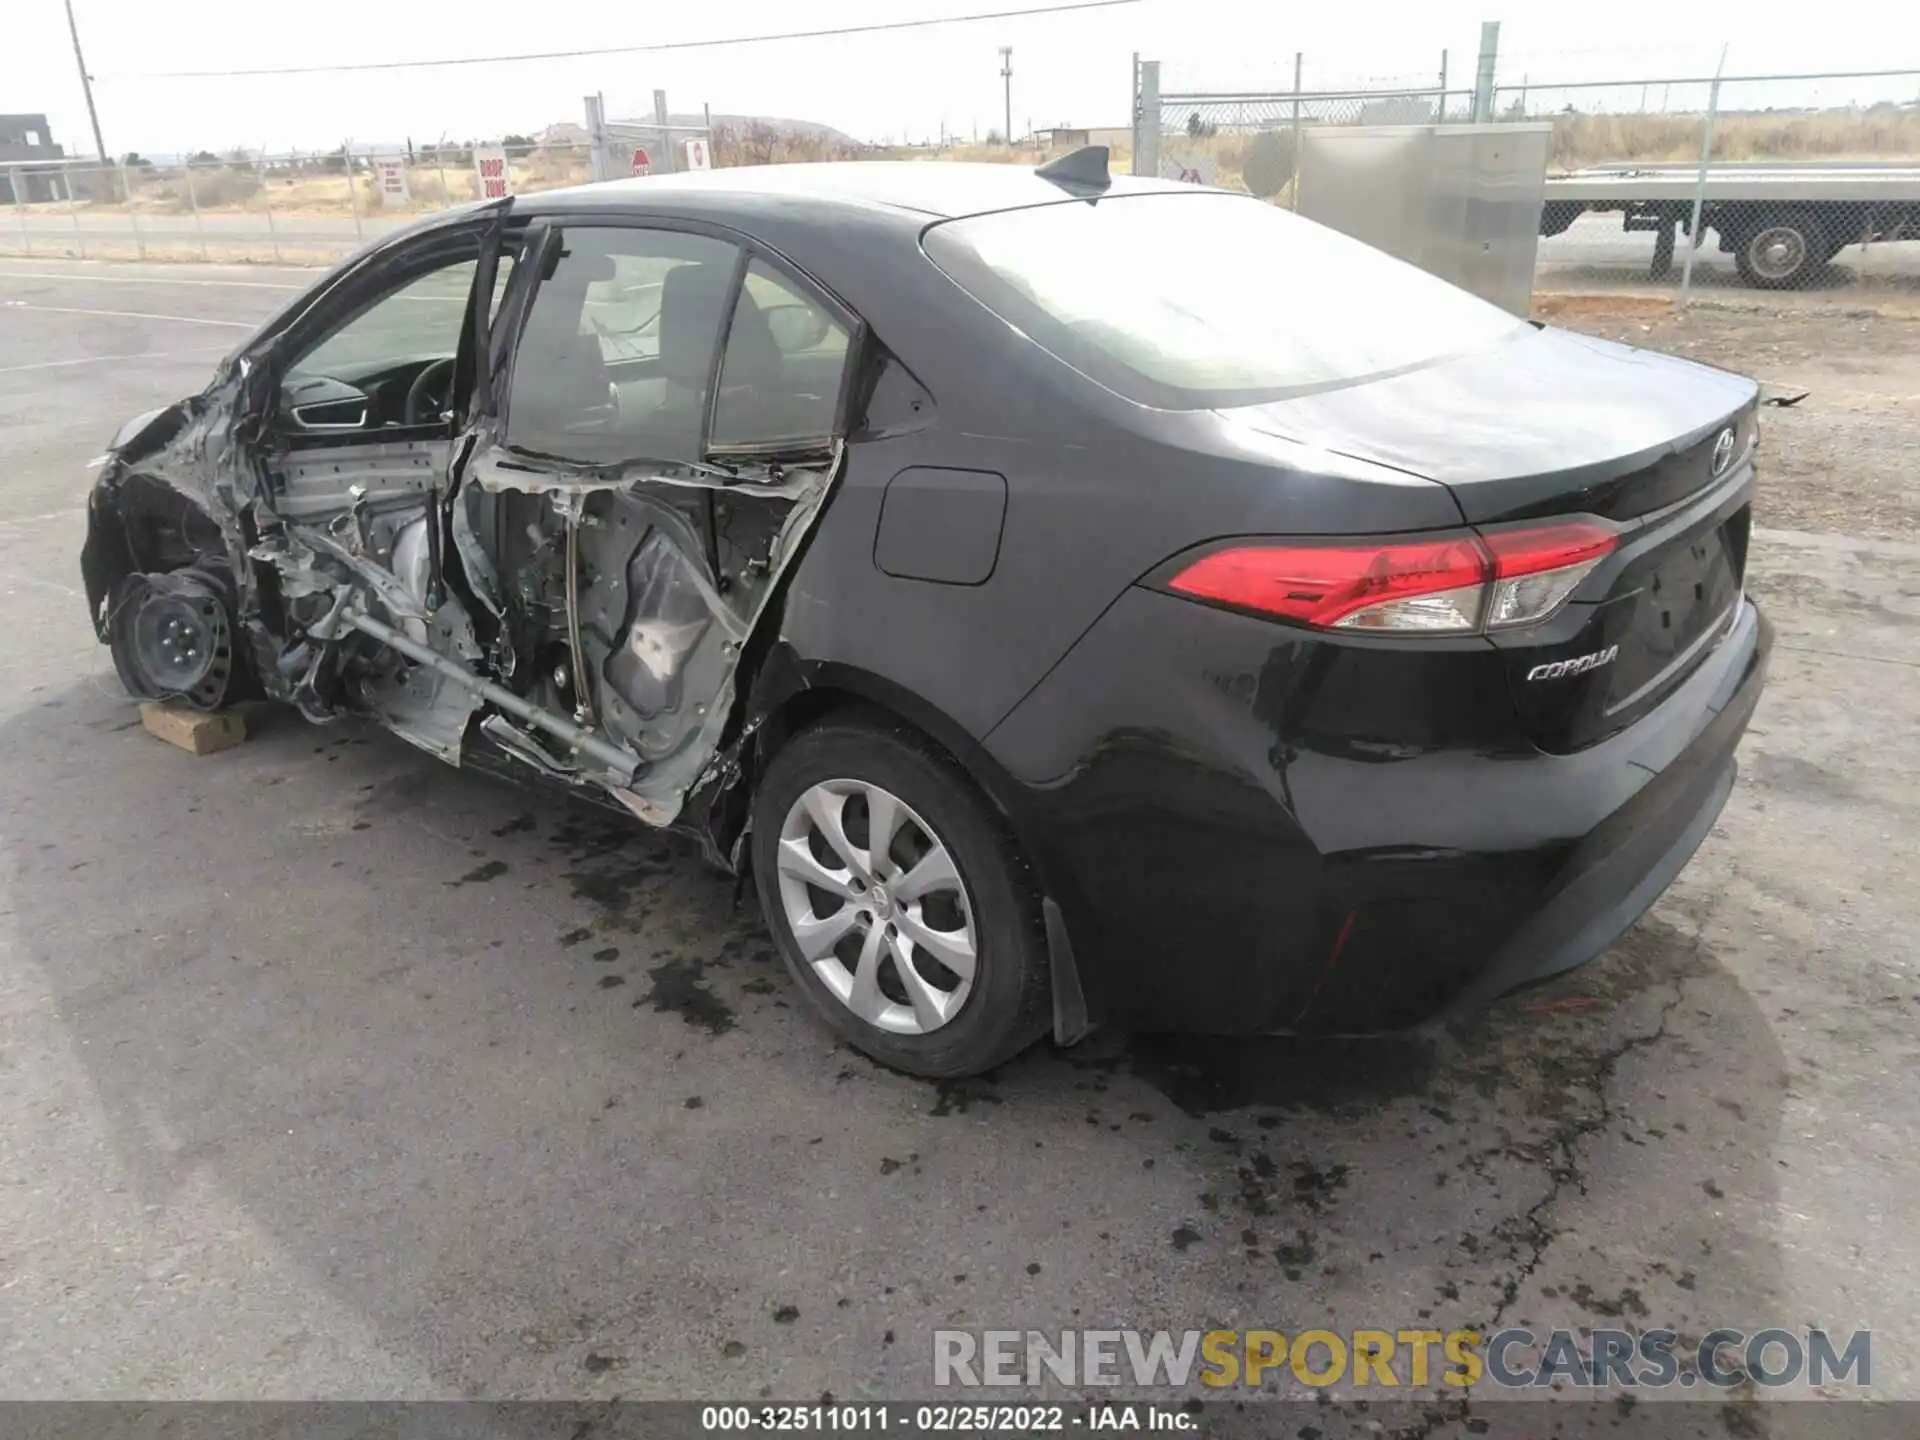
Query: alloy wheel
pixel 877 906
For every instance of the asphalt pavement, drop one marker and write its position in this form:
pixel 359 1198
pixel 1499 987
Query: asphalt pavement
pixel 327 1070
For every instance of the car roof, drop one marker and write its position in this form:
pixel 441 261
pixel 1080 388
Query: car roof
pixel 927 187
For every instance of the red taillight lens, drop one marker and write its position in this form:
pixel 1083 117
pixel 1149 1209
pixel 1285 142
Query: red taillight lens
pixel 1445 585
pixel 1535 569
pixel 1341 585
pixel 1547 547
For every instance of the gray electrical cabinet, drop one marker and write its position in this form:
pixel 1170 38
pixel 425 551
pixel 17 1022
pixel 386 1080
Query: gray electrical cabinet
pixel 1460 201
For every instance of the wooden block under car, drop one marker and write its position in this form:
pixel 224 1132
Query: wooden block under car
pixel 194 731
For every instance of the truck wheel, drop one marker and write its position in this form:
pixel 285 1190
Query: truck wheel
pixel 1782 251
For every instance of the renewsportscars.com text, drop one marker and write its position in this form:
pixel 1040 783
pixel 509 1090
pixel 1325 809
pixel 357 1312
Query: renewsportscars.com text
pixel 1511 1358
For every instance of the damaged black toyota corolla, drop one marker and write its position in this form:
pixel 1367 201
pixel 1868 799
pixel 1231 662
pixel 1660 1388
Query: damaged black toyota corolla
pixel 1075 599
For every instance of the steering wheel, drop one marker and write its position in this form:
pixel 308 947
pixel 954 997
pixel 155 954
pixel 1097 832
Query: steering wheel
pixel 425 400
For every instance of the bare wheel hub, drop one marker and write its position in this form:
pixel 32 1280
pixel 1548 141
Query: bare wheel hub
pixel 877 906
pixel 1778 251
pixel 172 637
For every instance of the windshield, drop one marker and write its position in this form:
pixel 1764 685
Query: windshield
pixel 1191 300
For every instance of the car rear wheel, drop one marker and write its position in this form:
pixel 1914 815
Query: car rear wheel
pixel 898 900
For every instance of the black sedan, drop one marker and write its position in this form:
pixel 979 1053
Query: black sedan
pixel 1075 599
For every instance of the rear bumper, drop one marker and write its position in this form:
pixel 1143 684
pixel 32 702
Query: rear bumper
pixel 1599 905
pixel 1637 852
pixel 1248 829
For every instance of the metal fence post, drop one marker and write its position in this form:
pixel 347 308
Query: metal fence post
pixel 1293 183
pixel 73 213
pixel 266 200
pixel 1483 76
pixel 1133 90
pixel 665 127
pixel 15 182
pixel 193 199
pixel 1700 184
pixel 440 164
pixel 1146 156
pixel 1443 88
pixel 599 158
pixel 133 215
pixel 353 192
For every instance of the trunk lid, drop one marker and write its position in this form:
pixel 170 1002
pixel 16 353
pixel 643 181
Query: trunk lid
pixel 1546 425
pixel 1542 423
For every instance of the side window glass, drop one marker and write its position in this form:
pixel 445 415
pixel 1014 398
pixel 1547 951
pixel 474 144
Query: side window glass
pixel 780 375
pixel 616 360
pixel 420 320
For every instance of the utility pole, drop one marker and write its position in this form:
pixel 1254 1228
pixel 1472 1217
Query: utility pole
pixel 1006 78
pixel 86 83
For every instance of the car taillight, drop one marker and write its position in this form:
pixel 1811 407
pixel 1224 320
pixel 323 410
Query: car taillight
pixel 1432 585
pixel 1436 585
pixel 1536 569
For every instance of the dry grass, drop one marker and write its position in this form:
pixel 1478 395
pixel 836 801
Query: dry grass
pixel 234 188
pixel 1879 134
pixel 1567 308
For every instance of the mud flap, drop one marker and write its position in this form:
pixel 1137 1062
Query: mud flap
pixel 1072 1022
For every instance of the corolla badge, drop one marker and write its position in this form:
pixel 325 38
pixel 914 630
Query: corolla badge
pixel 1554 669
pixel 1722 452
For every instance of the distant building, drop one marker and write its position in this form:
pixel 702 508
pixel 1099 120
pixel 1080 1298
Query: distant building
pixel 26 145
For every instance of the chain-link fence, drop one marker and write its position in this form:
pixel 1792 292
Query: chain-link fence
pixel 316 207
pixel 1252 141
pixel 1807 183
pixel 1784 182
pixel 294 208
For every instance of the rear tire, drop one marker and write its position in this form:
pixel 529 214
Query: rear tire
pixel 1783 251
pixel 891 936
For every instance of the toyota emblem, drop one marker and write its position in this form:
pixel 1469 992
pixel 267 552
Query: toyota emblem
pixel 1722 452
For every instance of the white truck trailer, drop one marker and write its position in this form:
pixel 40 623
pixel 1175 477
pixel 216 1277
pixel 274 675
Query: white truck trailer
pixel 1780 223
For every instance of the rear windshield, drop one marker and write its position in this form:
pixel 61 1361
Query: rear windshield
pixel 1189 300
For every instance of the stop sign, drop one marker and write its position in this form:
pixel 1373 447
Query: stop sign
pixel 641 164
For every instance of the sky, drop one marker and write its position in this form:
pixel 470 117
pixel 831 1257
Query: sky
pixel 901 86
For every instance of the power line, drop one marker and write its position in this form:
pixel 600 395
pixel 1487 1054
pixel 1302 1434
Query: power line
pixel 630 49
